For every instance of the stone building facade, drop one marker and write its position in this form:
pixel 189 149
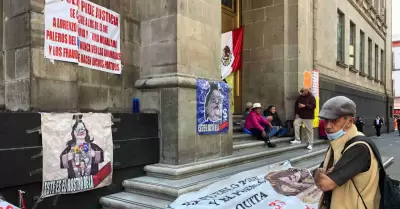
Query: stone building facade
pixel 167 44
pixel 285 38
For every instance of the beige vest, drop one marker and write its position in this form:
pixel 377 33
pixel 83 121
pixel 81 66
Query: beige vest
pixel 346 196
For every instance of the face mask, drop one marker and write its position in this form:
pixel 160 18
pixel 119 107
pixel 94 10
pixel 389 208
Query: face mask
pixel 337 134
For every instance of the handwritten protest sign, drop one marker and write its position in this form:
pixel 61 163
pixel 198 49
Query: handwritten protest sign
pixel 272 187
pixel 83 32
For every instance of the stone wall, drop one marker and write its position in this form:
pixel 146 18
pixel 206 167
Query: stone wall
pixel 327 42
pixel 35 83
pixel 263 52
pixel 181 42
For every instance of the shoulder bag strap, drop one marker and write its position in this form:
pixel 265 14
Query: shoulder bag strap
pixel 365 206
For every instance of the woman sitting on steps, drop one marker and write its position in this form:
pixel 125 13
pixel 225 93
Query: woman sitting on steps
pixel 258 125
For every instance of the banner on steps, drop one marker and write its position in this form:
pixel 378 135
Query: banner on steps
pixel 274 187
pixel 77 152
pixel 212 107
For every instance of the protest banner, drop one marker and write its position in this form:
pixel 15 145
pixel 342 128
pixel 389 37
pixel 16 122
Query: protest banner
pixel 6 205
pixel 77 152
pixel 61 27
pixel 212 107
pixel 83 32
pixel 274 187
pixel 99 38
pixel 315 92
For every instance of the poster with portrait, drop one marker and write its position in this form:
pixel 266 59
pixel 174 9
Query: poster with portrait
pixel 77 152
pixel 275 187
pixel 212 107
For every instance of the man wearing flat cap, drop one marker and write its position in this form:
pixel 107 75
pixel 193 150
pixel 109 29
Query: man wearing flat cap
pixel 349 176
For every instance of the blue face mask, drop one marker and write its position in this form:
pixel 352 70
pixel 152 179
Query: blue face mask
pixel 337 134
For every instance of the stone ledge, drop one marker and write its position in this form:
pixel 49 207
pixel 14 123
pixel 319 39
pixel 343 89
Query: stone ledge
pixel 370 78
pixel 183 171
pixel 168 81
pixel 341 64
pixel 170 189
pixel 353 69
pixel 362 74
pixel 250 144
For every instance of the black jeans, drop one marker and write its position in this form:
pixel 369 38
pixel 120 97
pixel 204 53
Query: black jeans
pixel 258 134
pixel 378 131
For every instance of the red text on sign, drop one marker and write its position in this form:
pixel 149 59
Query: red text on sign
pixel 104 40
pixel 64 24
pixel 92 24
pixel 73 2
pixel 99 13
pixel 60 37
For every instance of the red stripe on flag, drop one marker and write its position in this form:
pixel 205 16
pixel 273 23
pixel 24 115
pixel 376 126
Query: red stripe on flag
pixel 237 41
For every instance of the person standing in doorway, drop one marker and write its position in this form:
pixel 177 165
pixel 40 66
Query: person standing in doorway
pixel 304 109
pixel 378 122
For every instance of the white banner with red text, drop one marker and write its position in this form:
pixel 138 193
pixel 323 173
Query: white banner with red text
pixel 6 205
pixel 83 32
pixel 77 152
pixel 270 187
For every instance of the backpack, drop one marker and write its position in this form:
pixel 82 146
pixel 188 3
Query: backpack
pixel 389 188
pixel 290 130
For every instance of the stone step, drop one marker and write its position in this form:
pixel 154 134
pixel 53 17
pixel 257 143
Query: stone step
pixel 140 196
pixel 250 143
pixel 169 189
pixel 166 171
pixel 128 200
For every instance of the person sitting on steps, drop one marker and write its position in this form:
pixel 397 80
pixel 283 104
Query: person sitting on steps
pixel 278 128
pixel 258 125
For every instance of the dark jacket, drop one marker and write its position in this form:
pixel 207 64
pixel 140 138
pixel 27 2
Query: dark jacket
pixel 276 121
pixel 308 111
pixel 360 125
pixel 379 124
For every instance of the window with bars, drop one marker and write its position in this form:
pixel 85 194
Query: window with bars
pixel 340 37
pixel 382 65
pixel 352 48
pixel 369 57
pixel 376 61
pixel 362 51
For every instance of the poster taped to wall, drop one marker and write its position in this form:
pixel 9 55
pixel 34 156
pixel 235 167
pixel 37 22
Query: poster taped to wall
pixel 315 92
pixel 274 186
pixel 61 30
pixel 83 32
pixel 77 152
pixel 212 107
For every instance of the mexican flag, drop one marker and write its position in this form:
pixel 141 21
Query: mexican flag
pixel 231 49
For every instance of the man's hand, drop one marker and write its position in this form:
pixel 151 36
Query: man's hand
pixel 263 134
pixel 302 105
pixel 322 181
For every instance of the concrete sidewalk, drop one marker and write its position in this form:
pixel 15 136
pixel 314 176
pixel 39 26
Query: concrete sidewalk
pixel 389 145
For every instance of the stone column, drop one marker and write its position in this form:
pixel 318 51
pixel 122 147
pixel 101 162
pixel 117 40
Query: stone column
pixel 180 42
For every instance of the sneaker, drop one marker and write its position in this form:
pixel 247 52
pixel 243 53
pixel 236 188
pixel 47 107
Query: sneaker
pixel 295 141
pixel 271 145
pixel 309 147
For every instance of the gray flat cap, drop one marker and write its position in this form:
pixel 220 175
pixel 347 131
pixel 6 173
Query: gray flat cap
pixel 337 107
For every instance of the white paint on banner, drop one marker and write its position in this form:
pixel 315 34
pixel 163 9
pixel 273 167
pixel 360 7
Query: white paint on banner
pixel 6 205
pixel 99 38
pixel 61 26
pixel 275 186
pixel 77 152
pixel 315 83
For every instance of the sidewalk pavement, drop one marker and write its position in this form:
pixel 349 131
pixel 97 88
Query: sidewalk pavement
pixel 389 146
